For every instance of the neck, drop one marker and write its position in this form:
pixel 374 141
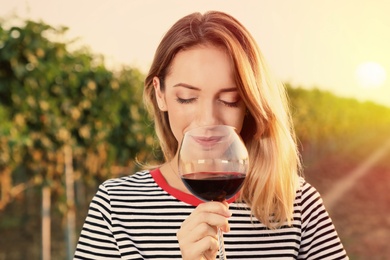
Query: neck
pixel 170 172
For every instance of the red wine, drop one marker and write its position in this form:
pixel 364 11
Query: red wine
pixel 214 186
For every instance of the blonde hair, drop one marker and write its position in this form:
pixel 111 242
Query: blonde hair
pixel 271 183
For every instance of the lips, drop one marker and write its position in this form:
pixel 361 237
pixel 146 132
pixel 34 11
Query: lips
pixel 207 141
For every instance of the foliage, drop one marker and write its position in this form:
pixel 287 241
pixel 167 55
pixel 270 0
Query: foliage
pixel 51 97
pixel 325 121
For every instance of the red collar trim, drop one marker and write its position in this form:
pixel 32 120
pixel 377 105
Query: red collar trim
pixel 182 196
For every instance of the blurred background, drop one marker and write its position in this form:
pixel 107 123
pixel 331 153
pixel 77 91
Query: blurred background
pixel 71 112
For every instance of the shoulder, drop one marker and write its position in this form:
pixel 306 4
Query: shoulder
pixel 306 193
pixel 136 177
pixel 126 189
pixel 139 182
pixel 309 200
pixel 134 180
pixel 310 204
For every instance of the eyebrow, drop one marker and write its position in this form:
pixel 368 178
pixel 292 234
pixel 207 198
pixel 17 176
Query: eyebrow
pixel 233 89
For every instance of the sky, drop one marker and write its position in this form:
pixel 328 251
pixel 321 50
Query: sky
pixel 308 43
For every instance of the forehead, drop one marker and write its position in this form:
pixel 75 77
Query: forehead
pixel 202 60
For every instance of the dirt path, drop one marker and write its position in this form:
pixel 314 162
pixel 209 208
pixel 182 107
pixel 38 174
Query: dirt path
pixel 344 185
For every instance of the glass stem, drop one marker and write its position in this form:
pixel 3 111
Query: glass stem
pixel 221 245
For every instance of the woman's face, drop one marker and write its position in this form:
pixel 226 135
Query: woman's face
pixel 200 90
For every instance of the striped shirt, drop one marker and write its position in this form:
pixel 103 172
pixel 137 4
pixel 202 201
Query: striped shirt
pixel 138 216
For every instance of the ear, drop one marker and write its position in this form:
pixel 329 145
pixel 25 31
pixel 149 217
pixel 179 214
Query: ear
pixel 160 96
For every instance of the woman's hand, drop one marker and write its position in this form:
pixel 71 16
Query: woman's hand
pixel 198 234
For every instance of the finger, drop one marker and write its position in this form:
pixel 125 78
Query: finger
pixel 203 230
pixel 211 213
pixel 215 220
pixel 221 208
pixel 211 253
pixel 207 247
pixel 186 237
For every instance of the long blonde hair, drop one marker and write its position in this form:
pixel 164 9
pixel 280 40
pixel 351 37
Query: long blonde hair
pixel 271 183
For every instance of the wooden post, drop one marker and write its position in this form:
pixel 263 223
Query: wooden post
pixel 70 212
pixel 46 222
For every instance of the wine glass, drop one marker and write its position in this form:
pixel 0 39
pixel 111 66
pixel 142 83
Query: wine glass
pixel 213 162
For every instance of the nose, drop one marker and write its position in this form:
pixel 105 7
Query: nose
pixel 208 114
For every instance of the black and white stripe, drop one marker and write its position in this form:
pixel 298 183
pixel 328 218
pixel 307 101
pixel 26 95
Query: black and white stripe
pixel 133 218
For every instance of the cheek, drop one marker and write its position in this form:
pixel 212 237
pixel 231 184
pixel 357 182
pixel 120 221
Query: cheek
pixel 179 121
pixel 235 119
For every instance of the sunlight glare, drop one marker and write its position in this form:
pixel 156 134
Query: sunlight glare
pixel 370 75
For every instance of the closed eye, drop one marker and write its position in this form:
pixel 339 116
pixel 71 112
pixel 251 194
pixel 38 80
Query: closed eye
pixel 230 104
pixel 230 97
pixel 185 100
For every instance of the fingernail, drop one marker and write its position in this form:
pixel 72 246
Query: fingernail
pixel 229 213
pixel 227 229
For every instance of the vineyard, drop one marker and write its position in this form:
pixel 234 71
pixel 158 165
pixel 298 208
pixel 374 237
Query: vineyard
pixel 67 123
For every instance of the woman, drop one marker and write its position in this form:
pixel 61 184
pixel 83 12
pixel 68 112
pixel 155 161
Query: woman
pixel 208 70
